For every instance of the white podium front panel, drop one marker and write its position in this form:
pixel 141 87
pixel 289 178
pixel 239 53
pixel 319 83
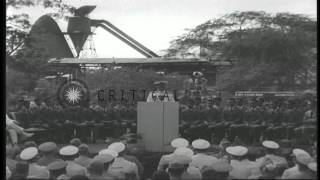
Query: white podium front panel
pixel 171 122
pixel 158 123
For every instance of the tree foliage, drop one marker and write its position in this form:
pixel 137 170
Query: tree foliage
pixel 18 24
pixel 130 78
pixel 25 64
pixel 263 47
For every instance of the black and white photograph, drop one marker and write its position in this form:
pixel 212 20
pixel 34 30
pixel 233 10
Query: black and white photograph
pixel 160 89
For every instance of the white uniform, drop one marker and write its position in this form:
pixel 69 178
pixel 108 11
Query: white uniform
pixel 277 160
pixel 120 167
pixel 37 172
pixel 200 160
pixel 75 169
pixel 241 169
pixel 164 161
pixel 289 172
pixel 299 175
pixel 192 173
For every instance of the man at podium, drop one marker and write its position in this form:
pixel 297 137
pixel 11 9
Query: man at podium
pixel 161 94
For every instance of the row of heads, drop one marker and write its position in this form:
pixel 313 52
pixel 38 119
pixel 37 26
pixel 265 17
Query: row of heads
pixel 194 74
pixel 104 156
pixel 202 144
pixel 302 157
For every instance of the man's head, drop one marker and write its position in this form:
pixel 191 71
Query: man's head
pixel 84 149
pixel 57 168
pixel 106 159
pixel 218 170
pixel 197 74
pixel 30 144
pixel 160 85
pixel 96 167
pixel 48 148
pixel 75 142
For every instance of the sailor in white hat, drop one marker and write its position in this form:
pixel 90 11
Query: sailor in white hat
pixel 165 159
pixel 127 155
pixel 111 152
pixel 303 171
pixel 30 155
pixel 122 168
pixel 242 167
pixel 201 159
pixel 191 170
pixel 183 151
pixel 107 161
pixel 294 169
pixel 68 154
pixel 271 148
pixel 179 168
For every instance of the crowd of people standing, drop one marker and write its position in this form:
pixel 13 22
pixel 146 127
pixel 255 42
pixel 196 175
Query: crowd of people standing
pixel 187 161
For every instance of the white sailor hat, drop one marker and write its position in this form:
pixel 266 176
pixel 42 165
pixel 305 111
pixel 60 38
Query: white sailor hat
pixel 179 142
pixel 303 159
pixel 237 150
pixel 200 144
pixel 104 158
pixel 270 144
pixel 111 152
pixel 183 151
pixel 117 146
pixel 313 166
pixel 297 151
pixel 68 150
pixel 28 153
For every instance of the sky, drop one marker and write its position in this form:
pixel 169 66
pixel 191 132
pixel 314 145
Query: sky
pixel 154 23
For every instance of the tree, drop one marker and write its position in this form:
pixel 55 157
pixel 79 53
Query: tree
pixel 265 49
pixel 23 62
pixel 18 25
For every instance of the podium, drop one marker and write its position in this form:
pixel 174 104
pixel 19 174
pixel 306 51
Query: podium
pixel 158 124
